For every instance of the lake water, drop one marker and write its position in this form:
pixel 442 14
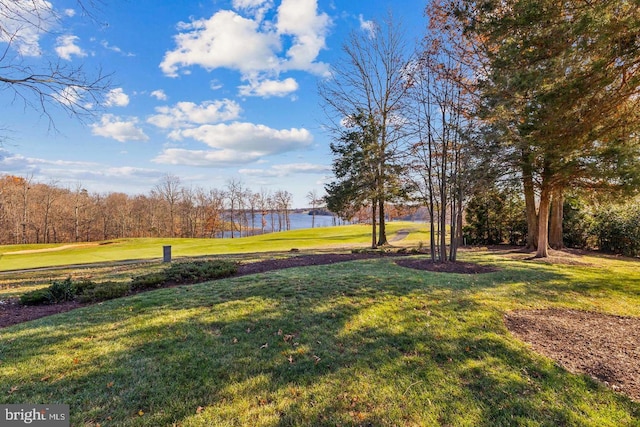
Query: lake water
pixel 300 221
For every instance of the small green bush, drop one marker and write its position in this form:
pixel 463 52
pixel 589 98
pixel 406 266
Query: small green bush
pixel 105 291
pixel 618 229
pixel 61 291
pixel 83 286
pixel 37 297
pixel 148 281
pixel 190 272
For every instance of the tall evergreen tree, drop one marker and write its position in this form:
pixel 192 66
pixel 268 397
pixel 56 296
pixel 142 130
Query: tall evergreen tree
pixel 562 83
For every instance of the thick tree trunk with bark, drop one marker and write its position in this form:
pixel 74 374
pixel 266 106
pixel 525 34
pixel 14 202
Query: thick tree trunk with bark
pixel 555 228
pixel 382 229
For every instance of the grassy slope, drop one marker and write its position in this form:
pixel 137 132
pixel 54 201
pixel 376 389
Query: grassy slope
pixel 360 343
pixel 137 249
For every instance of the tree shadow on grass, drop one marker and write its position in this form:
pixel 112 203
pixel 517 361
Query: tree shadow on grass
pixel 363 344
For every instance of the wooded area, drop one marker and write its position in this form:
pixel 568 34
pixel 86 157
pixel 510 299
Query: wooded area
pixel 32 212
pixel 540 98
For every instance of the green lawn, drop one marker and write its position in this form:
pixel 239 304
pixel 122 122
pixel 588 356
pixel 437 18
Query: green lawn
pixel 358 343
pixel 13 257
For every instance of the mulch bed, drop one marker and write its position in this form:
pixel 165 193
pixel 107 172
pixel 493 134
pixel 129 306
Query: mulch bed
pixel 605 347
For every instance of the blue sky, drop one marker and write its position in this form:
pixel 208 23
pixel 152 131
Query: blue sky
pixel 207 90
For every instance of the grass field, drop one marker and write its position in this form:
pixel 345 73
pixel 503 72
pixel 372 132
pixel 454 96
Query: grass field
pixel 357 343
pixel 16 257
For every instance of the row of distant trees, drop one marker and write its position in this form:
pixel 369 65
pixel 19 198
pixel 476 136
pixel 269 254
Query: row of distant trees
pixel 33 212
pixel 537 97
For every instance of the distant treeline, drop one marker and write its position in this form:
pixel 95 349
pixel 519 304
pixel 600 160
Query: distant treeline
pixel 33 212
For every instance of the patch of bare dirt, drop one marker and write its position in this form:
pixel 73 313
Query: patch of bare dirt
pixel 603 346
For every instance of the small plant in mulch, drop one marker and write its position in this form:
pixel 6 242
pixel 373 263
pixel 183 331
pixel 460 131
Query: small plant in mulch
pixel 87 291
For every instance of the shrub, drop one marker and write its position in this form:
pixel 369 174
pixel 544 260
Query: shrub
pixel 148 281
pixel 37 297
pixel 494 216
pixel 618 229
pixel 83 286
pixel 189 272
pixel 105 291
pixel 577 223
pixel 61 291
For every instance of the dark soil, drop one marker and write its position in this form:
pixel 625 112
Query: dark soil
pixel 605 347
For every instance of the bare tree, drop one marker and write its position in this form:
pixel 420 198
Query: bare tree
pixel 38 78
pixel 439 161
pixel 370 80
pixel 234 196
pixel 312 197
pixel 170 191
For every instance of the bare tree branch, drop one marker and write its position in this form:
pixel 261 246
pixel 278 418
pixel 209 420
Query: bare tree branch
pixel 38 80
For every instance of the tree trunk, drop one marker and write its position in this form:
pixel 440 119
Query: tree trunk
pixel 432 231
pixel 543 223
pixel 530 204
pixel 555 229
pixel 373 225
pixel 382 230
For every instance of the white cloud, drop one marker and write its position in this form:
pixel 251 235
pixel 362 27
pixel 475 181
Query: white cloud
pixel 66 47
pixel 214 42
pixel 280 171
pixel 251 4
pixel 111 126
pixel 219 158
pixel 368 27
pixel 234 144
pixel 248 137
pixel 185 114
pixel 71 97
pixel 300 19
pixel 256 8
pixel 22 22
pixel 93 176
pixel 69 12
pixel 105 44
pixel 117 98
pixel 159 95
pixel 268 88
